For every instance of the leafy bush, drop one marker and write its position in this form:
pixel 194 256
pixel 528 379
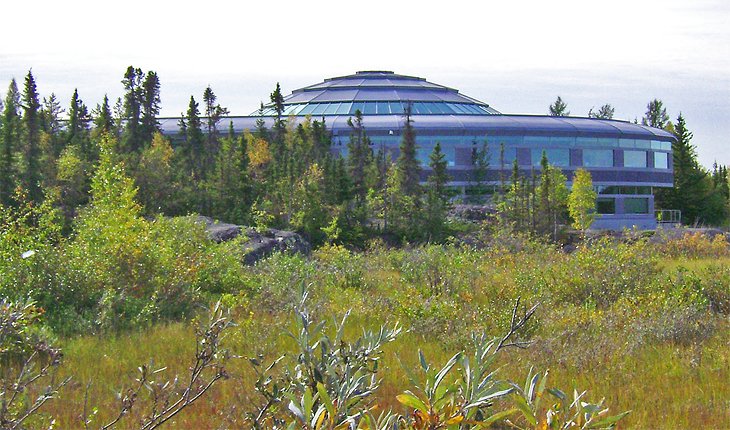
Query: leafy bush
pixel 696 245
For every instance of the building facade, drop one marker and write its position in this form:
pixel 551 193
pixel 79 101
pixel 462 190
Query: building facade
pixel 627 161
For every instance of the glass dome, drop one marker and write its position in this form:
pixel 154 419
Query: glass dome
pixel 378 93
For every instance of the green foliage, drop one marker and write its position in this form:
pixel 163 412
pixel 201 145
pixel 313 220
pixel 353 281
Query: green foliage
pixel 701 198
pixel 656 114
pixel 559 108
pixel 582 200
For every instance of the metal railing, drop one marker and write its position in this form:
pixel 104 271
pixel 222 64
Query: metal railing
pixel 668 216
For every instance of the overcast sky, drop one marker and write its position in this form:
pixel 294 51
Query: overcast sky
pixel 517 56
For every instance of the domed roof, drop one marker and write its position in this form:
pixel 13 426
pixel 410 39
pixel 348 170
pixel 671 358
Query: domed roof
pixel 379 93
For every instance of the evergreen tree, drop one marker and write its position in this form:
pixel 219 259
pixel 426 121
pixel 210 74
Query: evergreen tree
pixel 656 114
pixel 261 131
pixel 559 108
pixel 277 102
pixel 213 113
pixel 51 124
pixel 407 165
pixel 77 130
pixel 480 165
pixel 437 198
pixel 604 112
pixel 31 150
pixel 194 141
pixel 103 118
pixel 8 141
pixel 359 156
pixel 150 106
pixel 694 192
pixel 132 109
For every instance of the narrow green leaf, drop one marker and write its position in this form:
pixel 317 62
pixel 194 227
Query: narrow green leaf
pixel 608 421
pixel 412 401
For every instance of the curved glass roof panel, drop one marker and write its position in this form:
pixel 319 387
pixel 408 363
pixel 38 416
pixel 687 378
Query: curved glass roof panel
pixel 382 87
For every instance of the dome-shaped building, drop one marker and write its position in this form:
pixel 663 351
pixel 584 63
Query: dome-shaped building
pixel 627 161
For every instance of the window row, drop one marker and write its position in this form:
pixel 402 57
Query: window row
pixel 381 108
pixel 557 142
pixel 631 205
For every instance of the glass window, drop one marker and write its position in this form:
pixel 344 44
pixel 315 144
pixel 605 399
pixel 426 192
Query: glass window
pixel 396 108
pixel 655 144
pixel 583 142
pixel 607 141
pixel 438 108
pixel 634 158
pixel 307 109
pixel 510 154
pixel 331 108
pixel 626 143
pixel 296 109
pixel 666 146
pixel 421 108
pixel 606 206
pixel 556 157
pixel 636 205
pixel 597 158
pixel 369 108
pixel 562 141
pixel 319 108
pixel 643 144
pixel 661 160
pixel 357 106
pixel 383 108
pixel 344 109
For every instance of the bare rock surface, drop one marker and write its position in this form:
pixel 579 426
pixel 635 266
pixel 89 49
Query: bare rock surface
pixel 258 244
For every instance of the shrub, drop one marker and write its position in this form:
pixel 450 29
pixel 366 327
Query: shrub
pixel 696 245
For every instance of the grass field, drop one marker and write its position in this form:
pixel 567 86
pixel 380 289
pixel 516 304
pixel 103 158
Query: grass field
pixel 647 332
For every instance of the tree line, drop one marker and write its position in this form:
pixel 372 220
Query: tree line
pixel 285 175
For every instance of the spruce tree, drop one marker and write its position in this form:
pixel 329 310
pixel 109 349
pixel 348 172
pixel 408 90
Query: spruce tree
pixel 103 118
pixel 604 112
pixel 407 166
pixel 194 141
pixel 132 109
pixel 656 114
pixel 437 198
pixel 31 150
pixel 8 142
pixel 359 156
pixel 150 106
pixel 693 192
pixel 77 131
pixel 213 113
pixel 559 108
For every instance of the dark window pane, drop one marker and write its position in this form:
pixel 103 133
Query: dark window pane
pixel 606 206
pixel 635 205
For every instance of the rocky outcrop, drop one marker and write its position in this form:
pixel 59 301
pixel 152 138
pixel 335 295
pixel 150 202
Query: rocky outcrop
pixel 258 244
pixel 474 213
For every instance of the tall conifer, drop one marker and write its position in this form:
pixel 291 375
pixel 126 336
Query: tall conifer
pixel 31 150
pixel 8 142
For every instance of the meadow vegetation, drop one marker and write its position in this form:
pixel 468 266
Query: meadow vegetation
pixel 643 325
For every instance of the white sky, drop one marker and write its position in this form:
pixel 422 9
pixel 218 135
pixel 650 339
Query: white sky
pixel 517 56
